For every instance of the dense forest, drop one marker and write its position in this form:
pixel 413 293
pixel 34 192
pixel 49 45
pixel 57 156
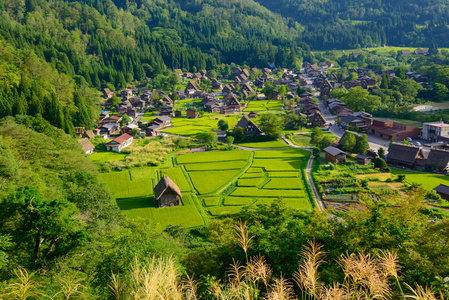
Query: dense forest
pixel 363 23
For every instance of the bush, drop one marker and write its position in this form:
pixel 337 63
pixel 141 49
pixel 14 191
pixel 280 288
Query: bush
pixel 401 177
pixel 389 180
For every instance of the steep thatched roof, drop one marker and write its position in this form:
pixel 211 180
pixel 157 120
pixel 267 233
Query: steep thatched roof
pixel 438 159
pixel 405 153
pixel 164 184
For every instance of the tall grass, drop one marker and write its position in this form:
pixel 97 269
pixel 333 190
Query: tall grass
pixel 366 277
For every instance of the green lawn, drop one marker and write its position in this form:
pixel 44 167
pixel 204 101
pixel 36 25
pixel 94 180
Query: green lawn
pixel 228 165
pixel 270 144
pixel 186 215
pixel 255 192
pixel 177 175
pixel 278 164
pixel 263 105
pixel 107 156
pixel 429 181
pixel 293 153
pixel 212 201
pixel 270 175
pixel 284 184
pixel 250 181
pixel 198 127
pixel 207 182
pixel 122 186
pixel 212 156
pixel 236 201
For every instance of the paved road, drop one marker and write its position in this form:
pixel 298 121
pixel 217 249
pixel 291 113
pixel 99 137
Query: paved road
pixel 373 141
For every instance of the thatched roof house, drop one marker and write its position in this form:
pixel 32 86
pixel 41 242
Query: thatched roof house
pixel 438 160
pixel 167 193
pixel 405 155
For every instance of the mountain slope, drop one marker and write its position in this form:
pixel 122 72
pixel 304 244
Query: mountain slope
pixel 355 23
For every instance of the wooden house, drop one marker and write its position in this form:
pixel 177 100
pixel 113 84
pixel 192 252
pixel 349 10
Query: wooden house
pixel 79 131
pixel 108 129
pixel 334 155
pixel 438 160
pixel 107 93
pixel 167 110
pixel 363 159
pixel 178 113
pixel 119 143
pixel 89 134
pixel 167 193
pixel 248 126
pixel 405 155
pixel 443 191
pixel 191 113
pixel 233 102
pixel 86 145
pixel 246 87
pixel 192 86
pixel 227 90
pixel 162 121
pixel 129 129
pixel 167 100
pixel 152 130
pixel 317 120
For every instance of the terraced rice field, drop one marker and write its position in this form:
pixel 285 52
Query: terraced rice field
pixel 225 181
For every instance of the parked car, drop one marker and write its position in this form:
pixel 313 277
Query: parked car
pixel 418 144
pixel 409 139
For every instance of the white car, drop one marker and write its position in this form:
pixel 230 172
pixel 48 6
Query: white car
pixel 418 144
pixel 409 139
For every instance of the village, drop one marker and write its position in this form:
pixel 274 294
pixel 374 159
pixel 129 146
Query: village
pixel 239 101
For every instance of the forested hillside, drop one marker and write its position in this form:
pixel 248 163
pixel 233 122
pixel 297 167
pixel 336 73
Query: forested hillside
pixel 65 50
pixel 364 23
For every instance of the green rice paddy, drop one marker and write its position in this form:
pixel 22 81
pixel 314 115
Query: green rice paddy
pixel 225 181
pixel 264 105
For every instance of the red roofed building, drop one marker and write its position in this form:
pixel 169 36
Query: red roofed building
pixel 388 130
pixel 119 143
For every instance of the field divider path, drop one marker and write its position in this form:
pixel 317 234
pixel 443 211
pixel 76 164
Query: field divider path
pixel 316 196
pixel 243 171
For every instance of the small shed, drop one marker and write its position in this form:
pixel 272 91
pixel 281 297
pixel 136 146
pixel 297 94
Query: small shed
pixel 443 191
pixel 335 155
pixel 178 113
pixel 252 114
pixel 191 113
pixel 167 193
pixel 363 159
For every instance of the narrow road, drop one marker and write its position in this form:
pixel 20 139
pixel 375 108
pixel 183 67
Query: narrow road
pixel 316 196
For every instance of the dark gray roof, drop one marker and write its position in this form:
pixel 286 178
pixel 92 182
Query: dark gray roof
pixel 163 118
pixel 438 158
pixel 444 189
pixel 333 151
pixel 164 184
pixel 244 122
pixel 349 119
pixel 109 125
pixel 403 153
pixel 361 156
